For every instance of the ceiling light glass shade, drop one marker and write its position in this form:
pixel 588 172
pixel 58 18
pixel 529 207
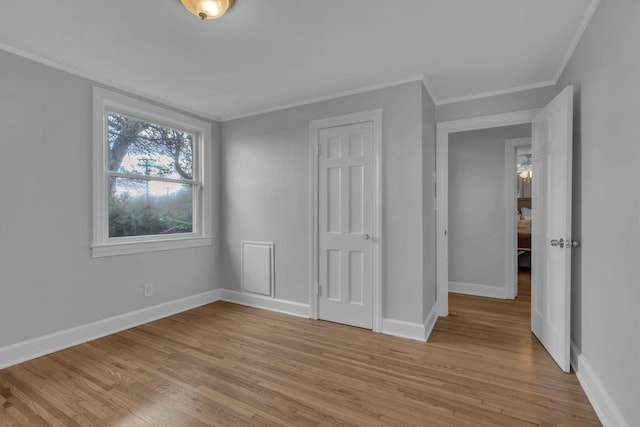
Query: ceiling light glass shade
pixel 525 169
pixel 207 9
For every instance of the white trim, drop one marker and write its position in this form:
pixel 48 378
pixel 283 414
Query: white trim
pixel 602 403
pixel 36 347
pixel 30 349
pixel 576 38
pixel 427 86
pixel 479 290
pixel 105 100
pixel 272 266
pixel 511 208
pixel 410 330
pixel 402 329
pixel 106 82
pixel 411 79
pixel 420 77
pixel 496 92
pixel 374 116
pixel 266 303
pixel 567 56
pixel 106 250
pixel 443 129
pixel 430 321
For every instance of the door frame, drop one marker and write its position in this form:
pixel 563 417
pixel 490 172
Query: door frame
pixel 443 129
pixel 375 117
pixel 511 206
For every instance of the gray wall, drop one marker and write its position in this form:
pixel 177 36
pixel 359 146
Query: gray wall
pixel 49 281
pixel 477 201
pixel 604 70
pixel 428 202
pixel 265 193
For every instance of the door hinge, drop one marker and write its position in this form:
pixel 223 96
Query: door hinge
pixel 319 290
pixel 435 184
pixel 318 149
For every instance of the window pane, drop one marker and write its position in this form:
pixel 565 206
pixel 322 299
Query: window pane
pixel 142 148
pixel 140 207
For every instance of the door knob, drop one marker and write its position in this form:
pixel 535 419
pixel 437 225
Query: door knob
pixel 365 237
pixel 560 243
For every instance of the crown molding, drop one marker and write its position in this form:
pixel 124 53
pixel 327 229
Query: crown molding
pixel 105 82
pixel 586 19
pixel 496 93
pixel 584 23
pixel 415 78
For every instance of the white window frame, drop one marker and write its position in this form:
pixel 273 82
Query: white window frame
pixel 106 101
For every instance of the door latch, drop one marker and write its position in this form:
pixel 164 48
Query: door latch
pixel 572 243
pixel 568 243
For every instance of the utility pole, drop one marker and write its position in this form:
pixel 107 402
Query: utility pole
pixel 147 168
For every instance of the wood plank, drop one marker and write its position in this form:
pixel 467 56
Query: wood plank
pixel 225 364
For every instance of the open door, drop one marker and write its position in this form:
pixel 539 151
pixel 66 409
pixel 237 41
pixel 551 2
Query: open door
pixel 552 137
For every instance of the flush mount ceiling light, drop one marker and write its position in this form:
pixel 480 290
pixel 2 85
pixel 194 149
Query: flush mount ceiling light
pixel 525 169
pixel 208 9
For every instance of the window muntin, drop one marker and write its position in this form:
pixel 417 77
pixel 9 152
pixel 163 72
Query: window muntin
pixel 152 177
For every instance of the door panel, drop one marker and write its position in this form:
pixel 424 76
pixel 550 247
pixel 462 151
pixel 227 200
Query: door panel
pixel 333 200
pixel 552 139
pixel 356 276
pixel 334 272
pixel 345 202
pixel 356 202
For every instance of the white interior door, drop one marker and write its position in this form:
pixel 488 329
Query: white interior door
pixel 552 136
pixel 345 205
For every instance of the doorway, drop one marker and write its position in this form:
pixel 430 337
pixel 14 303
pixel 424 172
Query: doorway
pixel 444 130
pixel 482 210
pixel 552 136
pixel 519 167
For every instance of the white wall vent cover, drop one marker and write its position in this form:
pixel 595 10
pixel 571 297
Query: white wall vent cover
pixel 258 268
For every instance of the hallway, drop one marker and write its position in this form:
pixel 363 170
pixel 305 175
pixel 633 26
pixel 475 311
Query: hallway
pixel 503 365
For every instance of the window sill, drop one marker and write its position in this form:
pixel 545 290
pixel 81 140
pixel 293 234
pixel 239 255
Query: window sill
pixel 126 248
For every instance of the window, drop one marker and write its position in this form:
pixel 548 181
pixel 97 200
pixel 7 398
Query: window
pixel 151 177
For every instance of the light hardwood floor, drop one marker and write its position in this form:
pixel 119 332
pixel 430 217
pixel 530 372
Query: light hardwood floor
pixel 225 364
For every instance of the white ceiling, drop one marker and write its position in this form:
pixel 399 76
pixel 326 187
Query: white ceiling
pixel 266 54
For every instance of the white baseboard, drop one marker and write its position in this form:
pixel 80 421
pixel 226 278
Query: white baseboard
pixel 430 321
pixel 400 328
pixel 602 403
pixel 33 348
pixel 266 303
pixel 478 290
pixel 36 347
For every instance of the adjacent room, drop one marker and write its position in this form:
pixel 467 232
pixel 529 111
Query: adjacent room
pixel 317 213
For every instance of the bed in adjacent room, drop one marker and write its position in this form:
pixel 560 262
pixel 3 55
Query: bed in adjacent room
pixel 524 234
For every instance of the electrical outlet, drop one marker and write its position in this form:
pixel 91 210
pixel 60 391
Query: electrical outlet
pixel 148 289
